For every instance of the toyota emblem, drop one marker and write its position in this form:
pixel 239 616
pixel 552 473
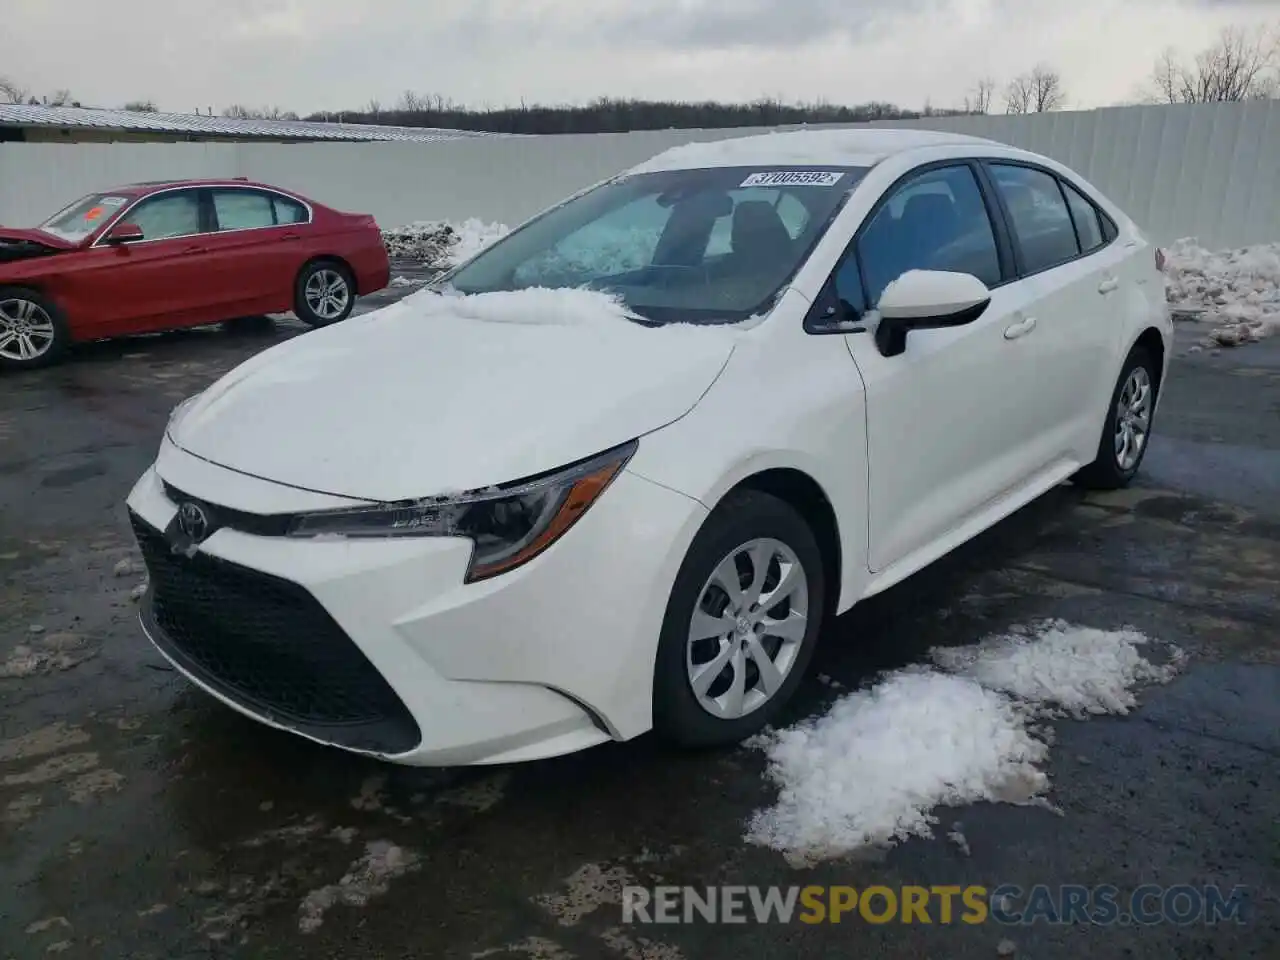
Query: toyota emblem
pixel 193 521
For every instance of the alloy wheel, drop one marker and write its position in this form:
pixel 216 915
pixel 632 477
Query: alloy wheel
pixel 327 294
pixel 747 629
pixel 1133 418
pixel 26 330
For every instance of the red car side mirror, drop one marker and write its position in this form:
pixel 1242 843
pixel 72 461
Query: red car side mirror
pixel 124 233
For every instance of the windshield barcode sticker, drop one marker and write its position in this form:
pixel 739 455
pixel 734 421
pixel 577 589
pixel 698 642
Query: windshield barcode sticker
pixel 113 201
pixel 793 178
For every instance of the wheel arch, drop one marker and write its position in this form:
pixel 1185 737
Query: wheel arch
pixel 1152 340
pixel 328 258
pixel 806 496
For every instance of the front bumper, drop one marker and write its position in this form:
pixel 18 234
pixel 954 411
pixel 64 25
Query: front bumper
pixel 377 646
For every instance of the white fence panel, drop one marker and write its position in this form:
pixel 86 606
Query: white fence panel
pixel 1208 170
pixel 38 179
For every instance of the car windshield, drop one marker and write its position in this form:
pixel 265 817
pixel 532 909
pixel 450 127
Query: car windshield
pixel 83 217
pixel 693 246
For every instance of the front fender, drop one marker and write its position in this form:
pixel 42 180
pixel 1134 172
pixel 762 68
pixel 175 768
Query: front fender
pixel 793 404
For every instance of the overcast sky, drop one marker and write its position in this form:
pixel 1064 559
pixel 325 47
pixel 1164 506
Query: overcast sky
pixel 309 55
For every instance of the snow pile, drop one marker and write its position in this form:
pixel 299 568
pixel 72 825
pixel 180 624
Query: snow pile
pixel 1061 670
pixel 1238 291
pixel 873 769
pixel 440 243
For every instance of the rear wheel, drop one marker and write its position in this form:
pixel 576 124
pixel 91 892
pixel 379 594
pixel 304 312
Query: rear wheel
pixel 1127 429
pixel 33 332
pixel 741 623
pixel 324 293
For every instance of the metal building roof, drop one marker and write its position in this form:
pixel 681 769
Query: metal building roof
pixel 21 115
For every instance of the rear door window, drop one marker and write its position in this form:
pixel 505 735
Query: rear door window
pixel 243 209
pixel 1041 221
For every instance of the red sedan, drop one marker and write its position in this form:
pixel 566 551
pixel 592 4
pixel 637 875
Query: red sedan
pixel 158 256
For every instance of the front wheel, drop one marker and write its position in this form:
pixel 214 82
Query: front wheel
pixel 741 623
pixel 324 293
pixel 32 330
pixel 1127 429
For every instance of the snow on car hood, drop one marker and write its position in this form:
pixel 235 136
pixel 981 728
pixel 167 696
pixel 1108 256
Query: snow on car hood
pixel 440 394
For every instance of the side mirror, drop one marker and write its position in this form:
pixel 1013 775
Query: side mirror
pixel 926 300
pixel 124 233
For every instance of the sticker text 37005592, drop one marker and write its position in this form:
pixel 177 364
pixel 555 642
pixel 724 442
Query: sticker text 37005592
pixel 793 178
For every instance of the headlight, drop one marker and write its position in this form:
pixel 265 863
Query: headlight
pixel 509 525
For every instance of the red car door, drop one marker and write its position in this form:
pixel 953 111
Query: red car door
pixel 256 250
pixel 156 283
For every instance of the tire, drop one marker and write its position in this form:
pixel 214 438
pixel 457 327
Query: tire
pixel 310 304
pixel 1112 469
pixel 33 331
pixel 745 519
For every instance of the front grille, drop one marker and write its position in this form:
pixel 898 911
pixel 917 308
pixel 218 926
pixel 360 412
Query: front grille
pixel 269 645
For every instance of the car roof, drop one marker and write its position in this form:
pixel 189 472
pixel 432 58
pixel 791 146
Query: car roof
pixel 847 147
pixel 143 187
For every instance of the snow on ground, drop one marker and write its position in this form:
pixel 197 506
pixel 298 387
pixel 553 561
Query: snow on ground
pixel 1234 292
pixel 874 769
pixel 368 877
pixel 440 243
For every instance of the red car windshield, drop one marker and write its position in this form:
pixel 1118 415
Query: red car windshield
pixel 83 217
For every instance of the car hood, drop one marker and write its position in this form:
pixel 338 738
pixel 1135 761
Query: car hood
pixel 443 394
pixel 15 235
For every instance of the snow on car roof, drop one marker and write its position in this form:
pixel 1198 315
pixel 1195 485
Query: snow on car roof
pixel 845 147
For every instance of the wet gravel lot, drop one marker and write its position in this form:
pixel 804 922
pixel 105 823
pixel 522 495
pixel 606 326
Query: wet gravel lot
pixel 140 819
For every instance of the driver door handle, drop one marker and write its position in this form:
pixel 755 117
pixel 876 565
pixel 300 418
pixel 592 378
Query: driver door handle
pixel 1109 285
pixel 1020 329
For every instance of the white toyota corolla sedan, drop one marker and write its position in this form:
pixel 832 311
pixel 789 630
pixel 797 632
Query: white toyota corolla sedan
pixel 613 473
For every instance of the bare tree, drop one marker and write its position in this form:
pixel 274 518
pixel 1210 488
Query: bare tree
pixel 411 102
pixel 1036 92
pixel 1046 89
pixel 141 106
pixel 12 92
pixel 1238 66
pixel 241 112
pixel 979 99
pixel 60 98
pixel 1018 94
pixel 374 107
pixel 1166 77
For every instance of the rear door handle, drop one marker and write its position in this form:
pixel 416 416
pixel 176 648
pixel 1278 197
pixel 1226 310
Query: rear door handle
pixel 291 236
pixel 188 251
pixel 1109 285
pixel 1020 329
